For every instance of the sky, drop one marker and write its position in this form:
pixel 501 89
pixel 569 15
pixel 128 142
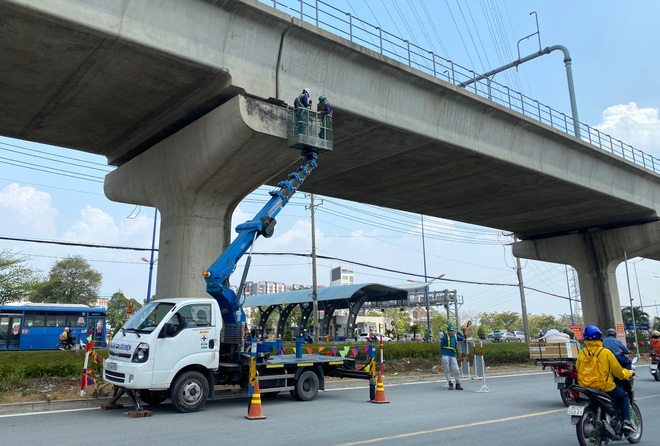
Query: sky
pixel 56 195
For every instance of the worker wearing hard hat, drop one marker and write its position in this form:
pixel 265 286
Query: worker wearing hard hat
pixel 448 346
pixel 302 104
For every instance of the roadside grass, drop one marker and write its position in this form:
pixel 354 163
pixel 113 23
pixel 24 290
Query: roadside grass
pixel 42 371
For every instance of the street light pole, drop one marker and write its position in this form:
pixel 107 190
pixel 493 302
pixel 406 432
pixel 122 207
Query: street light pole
pixel 315 301
pixel 426 288
pixel 570 302
pixel 151 261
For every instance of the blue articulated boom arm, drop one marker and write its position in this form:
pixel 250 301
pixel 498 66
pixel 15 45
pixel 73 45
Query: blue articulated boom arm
pixel 217 276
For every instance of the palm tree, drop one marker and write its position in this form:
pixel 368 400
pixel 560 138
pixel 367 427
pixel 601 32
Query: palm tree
pixel 641 317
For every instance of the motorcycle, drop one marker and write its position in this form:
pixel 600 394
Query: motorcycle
pixel 69 344
pixel 565 377
pixel 655 359
pixel 597 418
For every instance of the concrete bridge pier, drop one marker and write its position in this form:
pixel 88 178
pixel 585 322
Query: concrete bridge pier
pixel 595 256
pixel 196 178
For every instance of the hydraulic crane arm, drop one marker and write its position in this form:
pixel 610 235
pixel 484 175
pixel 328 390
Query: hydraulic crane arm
pixel 263 223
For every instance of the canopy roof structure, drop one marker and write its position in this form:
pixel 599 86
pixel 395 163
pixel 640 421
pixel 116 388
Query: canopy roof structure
pixel 351 297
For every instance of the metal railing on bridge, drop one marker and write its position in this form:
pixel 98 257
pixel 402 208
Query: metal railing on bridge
pixel 344 24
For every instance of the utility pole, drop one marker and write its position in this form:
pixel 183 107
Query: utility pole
pixel 426 288
pixel 315 302
pixel 521 287
pixel 632 308
pixel 639 292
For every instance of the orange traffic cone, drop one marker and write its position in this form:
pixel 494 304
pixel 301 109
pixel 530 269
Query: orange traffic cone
pixel 254 409
pixel 380 391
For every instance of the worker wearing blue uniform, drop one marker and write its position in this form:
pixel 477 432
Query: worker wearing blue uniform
pixel 448 346
pixel 618 348
pixel 325 115
pixel 302 104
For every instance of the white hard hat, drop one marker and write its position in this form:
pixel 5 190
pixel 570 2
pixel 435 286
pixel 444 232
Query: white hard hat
pixel 306 90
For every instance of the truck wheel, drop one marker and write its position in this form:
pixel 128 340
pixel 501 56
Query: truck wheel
pixel 152 398
pixel 189 392
pixel 306 387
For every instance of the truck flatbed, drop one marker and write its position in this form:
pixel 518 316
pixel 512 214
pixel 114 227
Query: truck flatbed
pixel 306 359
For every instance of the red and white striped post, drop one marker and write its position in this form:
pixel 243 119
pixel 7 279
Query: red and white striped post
pixel 88 348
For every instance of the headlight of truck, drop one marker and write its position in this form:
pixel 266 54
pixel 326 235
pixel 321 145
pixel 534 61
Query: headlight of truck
pixel 141 353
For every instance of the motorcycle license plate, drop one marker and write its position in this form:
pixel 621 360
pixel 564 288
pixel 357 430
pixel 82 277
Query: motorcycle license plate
pixel 111 366
pixel 560 379
pixel 654 367
pixel 576 410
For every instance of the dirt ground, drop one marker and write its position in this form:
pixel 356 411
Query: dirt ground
pixel 49 389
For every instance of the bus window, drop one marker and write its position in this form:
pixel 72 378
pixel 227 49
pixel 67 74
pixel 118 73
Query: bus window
pixel 34 319
pixel 77 320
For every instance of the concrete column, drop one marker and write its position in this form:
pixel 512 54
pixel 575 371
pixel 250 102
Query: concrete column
pixel 196 178
pixel 595 256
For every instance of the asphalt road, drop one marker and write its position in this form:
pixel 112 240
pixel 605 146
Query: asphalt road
pixel 520 409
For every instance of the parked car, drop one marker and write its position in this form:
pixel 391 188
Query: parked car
pixel 513 336
pixel 499 337
pixel 364 337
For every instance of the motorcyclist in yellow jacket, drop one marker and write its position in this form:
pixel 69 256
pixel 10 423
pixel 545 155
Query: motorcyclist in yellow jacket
pixel 593 344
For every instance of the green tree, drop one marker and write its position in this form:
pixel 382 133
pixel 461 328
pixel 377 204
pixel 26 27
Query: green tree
pixel 481 332
pixel 565 320
pixel 540 322
pixel 16 279
pixel 70 281
pixel 400 318
pixel 438 322
pixel 641 317
pixel 489 321
pixel 117 314
pixel 508 320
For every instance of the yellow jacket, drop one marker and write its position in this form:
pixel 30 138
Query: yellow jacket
pixel 607 360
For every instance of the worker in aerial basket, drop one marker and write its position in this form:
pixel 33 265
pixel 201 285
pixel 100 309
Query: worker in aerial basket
pixel 302 104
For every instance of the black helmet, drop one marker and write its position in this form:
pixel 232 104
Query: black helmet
pixel 611 332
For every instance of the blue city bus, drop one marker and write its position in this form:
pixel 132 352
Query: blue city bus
pixel 38 326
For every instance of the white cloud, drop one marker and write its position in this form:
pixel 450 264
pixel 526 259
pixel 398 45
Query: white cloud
pixel 639 127
pixel 28 209
pixel 96 226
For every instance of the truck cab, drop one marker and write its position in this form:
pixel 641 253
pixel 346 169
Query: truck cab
pixel 163 338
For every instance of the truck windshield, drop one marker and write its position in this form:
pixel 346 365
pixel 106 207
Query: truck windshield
pixel 149 316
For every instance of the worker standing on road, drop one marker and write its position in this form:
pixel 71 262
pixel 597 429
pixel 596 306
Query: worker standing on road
pixel 448 345
pixel 325 116
pixel 302 104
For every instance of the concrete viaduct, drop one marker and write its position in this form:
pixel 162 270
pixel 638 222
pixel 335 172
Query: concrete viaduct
pixel 181 96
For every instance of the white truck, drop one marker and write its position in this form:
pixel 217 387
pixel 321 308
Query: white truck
pixel 177 349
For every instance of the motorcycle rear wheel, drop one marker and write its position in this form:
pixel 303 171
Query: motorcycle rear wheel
pixel 566 395
pixel 587 431
pixel 637 416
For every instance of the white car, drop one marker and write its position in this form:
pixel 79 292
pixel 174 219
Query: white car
pixel 513 336
pixel 364 337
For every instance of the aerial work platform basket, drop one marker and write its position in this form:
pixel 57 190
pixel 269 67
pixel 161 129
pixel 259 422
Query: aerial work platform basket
pixel 307 128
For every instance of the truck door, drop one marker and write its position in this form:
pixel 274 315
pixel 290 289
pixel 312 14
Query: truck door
pixel 190 336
